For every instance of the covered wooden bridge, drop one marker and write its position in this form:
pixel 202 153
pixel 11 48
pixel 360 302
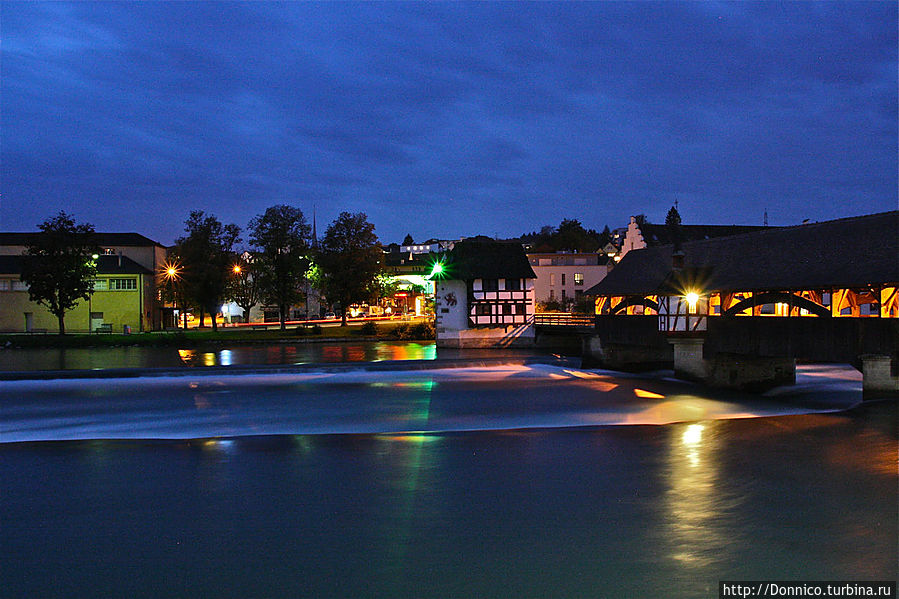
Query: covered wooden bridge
pixel 739 310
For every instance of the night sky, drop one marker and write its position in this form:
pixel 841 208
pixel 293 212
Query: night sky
pixel 447 120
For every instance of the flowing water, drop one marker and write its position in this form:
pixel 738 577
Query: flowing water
pixel 509 481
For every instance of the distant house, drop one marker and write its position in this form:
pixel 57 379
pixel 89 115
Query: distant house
pixel 485 296
pixel 564 276
pixel 125 289
pixel 119 299
pixel 846 267
pixel 430 246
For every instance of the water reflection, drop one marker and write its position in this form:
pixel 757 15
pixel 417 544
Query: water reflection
pixel 693 501
pixel 159 357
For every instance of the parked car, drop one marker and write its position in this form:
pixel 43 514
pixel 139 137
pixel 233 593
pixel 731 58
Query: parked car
pixel 329 315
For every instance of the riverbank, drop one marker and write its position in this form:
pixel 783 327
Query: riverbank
pixel 369 331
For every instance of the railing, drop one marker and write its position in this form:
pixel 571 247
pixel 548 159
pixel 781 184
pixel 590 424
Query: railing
pixel 557 319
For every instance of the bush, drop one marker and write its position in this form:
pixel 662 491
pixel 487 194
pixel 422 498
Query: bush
pixel 369 328
pixel 406 332
pixel 316 329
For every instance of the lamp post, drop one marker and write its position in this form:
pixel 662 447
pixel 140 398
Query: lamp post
pixel 171 273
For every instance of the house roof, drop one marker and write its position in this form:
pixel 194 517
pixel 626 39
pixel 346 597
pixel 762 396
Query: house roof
pixel 849 252
pixel 100 238
pixel 485 258
pixel 106 265
pixel 661 234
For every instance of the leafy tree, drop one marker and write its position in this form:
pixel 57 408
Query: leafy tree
pixel 382 286
pixel 243 286
pixel 572 236
pixel 282 236
pixel 206 255
pixel 60 267
pixel 349 259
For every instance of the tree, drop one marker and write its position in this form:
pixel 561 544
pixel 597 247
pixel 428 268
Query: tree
pixel 60 267
pixel 206 255
pixel 243 286
pixel 350 260
pixel 571 236
pixel 282 237
pixel 673 222
pixel 408 240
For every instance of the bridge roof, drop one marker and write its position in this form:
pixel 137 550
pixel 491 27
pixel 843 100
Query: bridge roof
pixel 849 252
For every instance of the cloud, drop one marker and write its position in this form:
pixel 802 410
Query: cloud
pixel 520 114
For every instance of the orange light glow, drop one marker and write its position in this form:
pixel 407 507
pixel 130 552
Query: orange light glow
pixel 647 394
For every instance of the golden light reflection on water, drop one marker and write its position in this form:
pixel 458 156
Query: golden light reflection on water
pixel 693 500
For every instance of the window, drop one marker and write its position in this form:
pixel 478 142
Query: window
pixel 491 284
pixel 122 284
pixel 578 278
pixel 5 284
pixel 563 295
pixel 19 286
pixel 513 284
pixel 509 309
pixel 552 278
pixel 108 252
pixel 482 309
pixel 100 285
pixel 563 278
pixel 552 295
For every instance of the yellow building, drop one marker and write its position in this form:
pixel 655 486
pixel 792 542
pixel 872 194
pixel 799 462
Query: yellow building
pixel 125 293
pixel 121 294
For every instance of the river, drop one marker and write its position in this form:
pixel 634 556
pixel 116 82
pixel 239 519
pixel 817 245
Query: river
pixel 507 481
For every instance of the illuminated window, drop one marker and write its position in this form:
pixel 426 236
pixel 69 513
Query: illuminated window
pixel 108 251
pixel 578 278
pixel 122 284
pixel 100 285
pixel 19 286
pixel 552 278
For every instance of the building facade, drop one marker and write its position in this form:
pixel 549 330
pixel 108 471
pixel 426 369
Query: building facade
pixel 126 292
pixel 563 276
pixel 485 296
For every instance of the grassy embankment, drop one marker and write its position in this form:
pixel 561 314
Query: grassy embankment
pixel 199 337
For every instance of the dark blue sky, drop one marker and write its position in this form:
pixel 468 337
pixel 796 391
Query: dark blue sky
pixel 447 120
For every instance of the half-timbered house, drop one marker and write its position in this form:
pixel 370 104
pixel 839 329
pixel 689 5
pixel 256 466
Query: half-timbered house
pixel 485 295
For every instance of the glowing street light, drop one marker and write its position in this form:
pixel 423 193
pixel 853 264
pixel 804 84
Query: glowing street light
pixel 692 297
pixel 236 269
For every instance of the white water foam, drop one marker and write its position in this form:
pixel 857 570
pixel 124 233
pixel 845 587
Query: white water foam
pixel 359 401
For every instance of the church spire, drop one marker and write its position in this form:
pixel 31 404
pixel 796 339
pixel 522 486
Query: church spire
pixel 314 234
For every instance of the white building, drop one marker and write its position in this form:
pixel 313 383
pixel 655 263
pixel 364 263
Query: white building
pixel 564 276
pixel 485 296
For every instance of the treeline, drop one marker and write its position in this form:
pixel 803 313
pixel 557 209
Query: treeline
pixel 273 261
pixel 569 236
pixel 277 265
